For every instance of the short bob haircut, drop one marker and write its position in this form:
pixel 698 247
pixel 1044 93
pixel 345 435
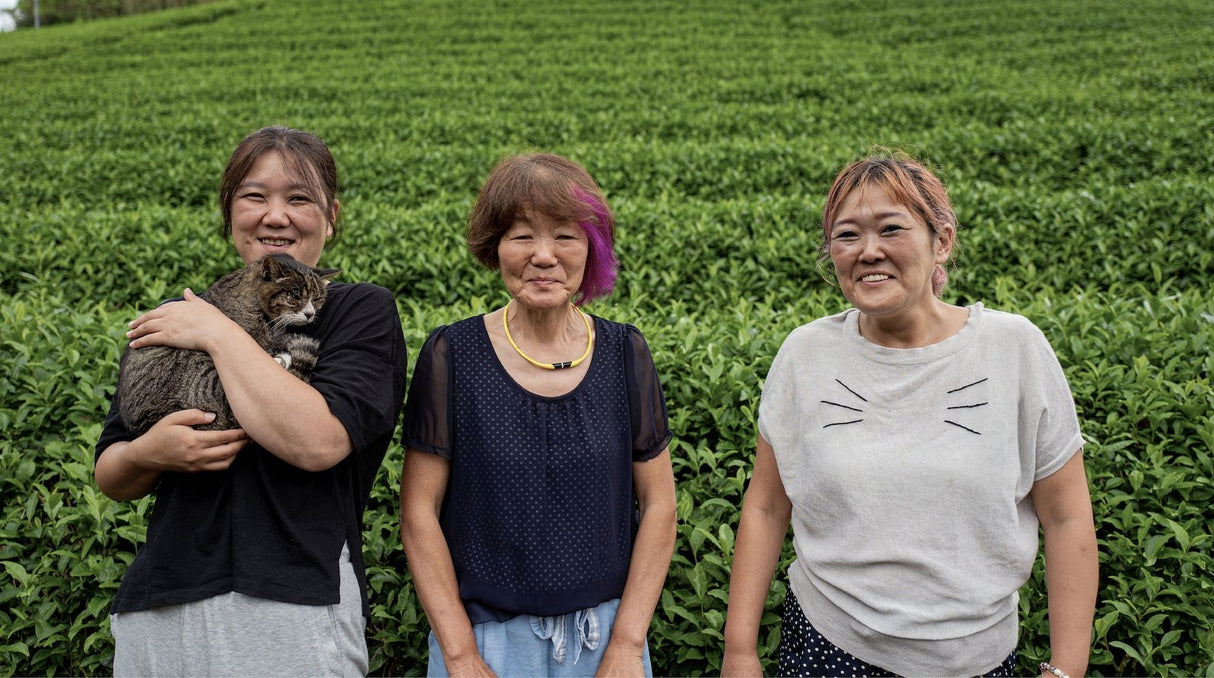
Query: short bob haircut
pixel 908 182
pixel 304 154
pixel 543 183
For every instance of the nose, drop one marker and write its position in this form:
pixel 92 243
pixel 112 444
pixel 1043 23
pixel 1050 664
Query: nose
pixel 871 249
pixel 276 213
pixel 544 254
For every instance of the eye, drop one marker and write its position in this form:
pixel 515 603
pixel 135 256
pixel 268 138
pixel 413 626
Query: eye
pixel 300 199
pixel 892 229
pixel 251 195
pixel 844 235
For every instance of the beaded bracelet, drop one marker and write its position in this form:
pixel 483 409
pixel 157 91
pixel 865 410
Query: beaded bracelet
pixel 1046 667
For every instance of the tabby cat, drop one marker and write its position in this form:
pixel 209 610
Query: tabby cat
pixel 265 298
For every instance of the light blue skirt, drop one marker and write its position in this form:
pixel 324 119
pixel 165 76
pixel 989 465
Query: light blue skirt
pixel 562 646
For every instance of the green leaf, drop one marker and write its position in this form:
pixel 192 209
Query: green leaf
pixel 18 572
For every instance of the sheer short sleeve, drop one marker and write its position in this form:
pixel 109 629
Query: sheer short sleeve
pixel 429 424
pixel 646 403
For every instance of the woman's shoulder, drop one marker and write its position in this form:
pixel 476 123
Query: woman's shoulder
pixel 602 324
pixel 361 292
pixel 820 329
pixel 1005 322
pixel 459 332
pixel 619 334
pixel 471 326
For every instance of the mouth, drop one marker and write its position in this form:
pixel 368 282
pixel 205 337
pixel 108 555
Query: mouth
pixel 275 242
pixel 874 277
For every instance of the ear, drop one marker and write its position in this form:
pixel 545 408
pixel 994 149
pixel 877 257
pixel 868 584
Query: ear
pixel 271 267
pixel 946 237
pixel 328 274
pixel 333 218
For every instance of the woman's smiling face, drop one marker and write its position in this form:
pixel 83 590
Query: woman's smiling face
pixel 543 260
pixel 884 255
pixel 276 212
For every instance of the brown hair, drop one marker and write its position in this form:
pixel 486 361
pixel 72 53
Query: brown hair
pixel 303 154
pixel 559 188
pixel 908 183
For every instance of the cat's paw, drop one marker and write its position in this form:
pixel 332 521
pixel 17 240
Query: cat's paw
pixel 302 353
pixel 283 359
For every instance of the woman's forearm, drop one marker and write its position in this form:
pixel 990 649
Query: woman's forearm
pixel 282 413
pixel 766 512
pixel 129 470
pixel 422 488
pixel 651 554
pixel 756 553
pixel 1064 507
pixel 1071 573
pixel 433 574
pixel 119 477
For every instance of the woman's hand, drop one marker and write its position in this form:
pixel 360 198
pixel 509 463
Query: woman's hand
pixel 129 469
pixel 173 444
pixel 191 324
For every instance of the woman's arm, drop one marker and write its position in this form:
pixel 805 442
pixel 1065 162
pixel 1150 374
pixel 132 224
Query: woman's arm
pixel 653 481
pixel 283 414
pixel 1064 508
pixel 766 512
pixel 129 470
pixel 423 484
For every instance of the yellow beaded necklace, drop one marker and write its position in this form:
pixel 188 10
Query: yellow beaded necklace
pixel 550 366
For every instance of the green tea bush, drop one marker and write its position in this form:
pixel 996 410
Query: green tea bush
pixel 1074 138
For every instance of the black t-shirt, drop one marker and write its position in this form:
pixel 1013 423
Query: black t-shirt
pixel 263 527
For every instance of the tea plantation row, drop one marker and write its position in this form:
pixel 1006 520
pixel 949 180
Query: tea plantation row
pixel 1074 136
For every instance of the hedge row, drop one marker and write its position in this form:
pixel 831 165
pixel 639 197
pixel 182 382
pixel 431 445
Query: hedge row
pixel 1074 137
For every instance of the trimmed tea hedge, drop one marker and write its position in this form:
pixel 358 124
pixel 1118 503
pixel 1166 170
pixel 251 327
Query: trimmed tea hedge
pixel 1075 138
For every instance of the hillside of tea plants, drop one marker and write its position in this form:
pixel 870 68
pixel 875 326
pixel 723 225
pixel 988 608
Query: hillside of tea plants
pixel 1076 136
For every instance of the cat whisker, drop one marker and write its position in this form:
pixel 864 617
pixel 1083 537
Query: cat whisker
pixel 287 320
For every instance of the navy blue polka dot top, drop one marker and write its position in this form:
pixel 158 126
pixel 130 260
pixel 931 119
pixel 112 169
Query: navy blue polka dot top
pixel 539 512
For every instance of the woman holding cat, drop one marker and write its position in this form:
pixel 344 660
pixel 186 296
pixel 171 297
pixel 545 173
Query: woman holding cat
pixel 536 436
pixel 260 527
pixel 915 446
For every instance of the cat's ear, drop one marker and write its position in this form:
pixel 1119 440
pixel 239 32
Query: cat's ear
pixel 271 268
pixel 328 274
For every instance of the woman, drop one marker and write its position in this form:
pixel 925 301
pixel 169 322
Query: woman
pixel 537 497
pixel 260 527
pixel 915 446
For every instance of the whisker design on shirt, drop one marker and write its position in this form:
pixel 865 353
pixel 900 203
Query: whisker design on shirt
pixel 845 407
pixel 962 388
pixel 965 406
pixel 947 421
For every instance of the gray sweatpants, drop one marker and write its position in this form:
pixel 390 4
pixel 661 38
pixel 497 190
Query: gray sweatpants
pixel 238 635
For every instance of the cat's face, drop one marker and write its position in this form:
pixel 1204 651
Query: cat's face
pixel 291 294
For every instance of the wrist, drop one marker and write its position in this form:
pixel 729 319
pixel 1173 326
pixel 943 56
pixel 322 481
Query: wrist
pixel 460 648
pixel 622 642
pixel 742 641
pixel 1048 669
